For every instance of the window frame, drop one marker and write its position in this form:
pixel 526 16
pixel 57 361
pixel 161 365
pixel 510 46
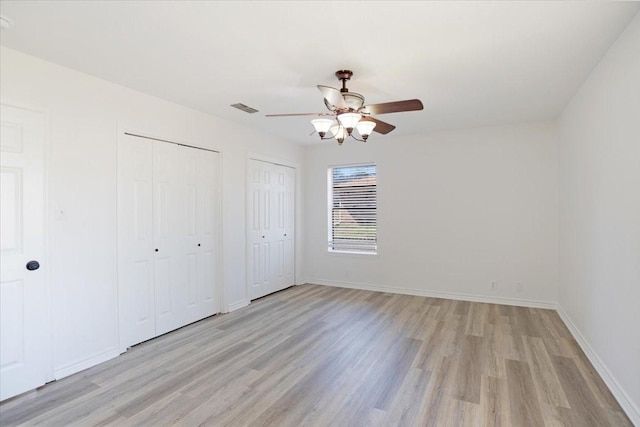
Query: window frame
pixel 330 196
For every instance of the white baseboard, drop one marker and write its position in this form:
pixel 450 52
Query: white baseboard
pixel 237 305
pixel 438 294
pixel 81 365
pixel 618 392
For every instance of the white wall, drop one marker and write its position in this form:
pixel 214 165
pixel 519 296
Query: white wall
pixel 457 210
pixel 86 115
pixel 599 151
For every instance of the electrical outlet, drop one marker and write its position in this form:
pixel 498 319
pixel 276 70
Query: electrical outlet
pixel 347 272
pixel 494 285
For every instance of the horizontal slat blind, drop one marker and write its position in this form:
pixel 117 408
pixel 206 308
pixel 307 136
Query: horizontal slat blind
pixel 353 216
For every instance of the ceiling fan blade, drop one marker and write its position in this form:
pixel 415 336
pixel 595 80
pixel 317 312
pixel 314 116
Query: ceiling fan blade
pixel 299 114
pixel 333 96
pixel 381 127
pixel 393 107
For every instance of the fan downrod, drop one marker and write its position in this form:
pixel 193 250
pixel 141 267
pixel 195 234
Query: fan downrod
pixel 343 76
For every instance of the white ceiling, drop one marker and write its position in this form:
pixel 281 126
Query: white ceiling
pixel 471 63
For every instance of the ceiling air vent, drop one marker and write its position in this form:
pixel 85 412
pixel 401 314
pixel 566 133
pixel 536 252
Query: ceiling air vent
pixel 244 108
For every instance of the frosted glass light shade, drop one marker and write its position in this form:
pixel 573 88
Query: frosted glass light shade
pixel 322 126
pixel 349 120
pixel 339 133
pixel 365 127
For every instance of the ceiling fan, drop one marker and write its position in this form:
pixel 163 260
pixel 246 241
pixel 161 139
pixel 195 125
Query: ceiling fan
pixel 349 112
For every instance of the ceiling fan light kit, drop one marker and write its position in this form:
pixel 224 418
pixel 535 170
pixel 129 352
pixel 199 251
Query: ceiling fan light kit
pixel 322 126
pixel 349 120
pixel 339 133
pixel 365 127
pixel 350 113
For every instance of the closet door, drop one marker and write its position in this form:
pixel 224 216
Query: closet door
pixel 259 215
pixel 282 257
pixel 288 229
pixel 209 255
pixel 168 237
pixel 201 239
pixel 270 228
pixel 169 218
pixel 278 234
pixel 135 241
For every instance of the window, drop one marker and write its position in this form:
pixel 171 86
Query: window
pixel 352 209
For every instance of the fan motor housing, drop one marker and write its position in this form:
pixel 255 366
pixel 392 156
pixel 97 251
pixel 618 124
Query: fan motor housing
pixel 344 74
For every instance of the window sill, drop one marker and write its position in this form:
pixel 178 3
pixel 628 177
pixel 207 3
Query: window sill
pixel 354 254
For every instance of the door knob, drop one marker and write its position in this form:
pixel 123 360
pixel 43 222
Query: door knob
pixel 33 265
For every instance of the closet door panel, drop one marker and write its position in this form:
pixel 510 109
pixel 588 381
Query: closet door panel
pixel 169 236
pixel 207 283
pixel 189 238
pixel 163 292
pixel 208 229
pixel 269 250
pixel 255 269
pixel 192 282
pixel 144 311
pixel 259 225
pixel 202 238
pixel 288 230
pixel 139 262
pixel 135 241
pixel 189 241
pixel 265 274
pixel 270 228
pixel 169 223
pixel 278 233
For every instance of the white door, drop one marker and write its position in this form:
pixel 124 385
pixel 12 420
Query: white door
pixel 270 228
pixel 168 237
pixel 136 288
pixel 259 211
pixel 25 352
pixel 278 233
pixel 288 228
pixel 201 238
pixel 282 258
pixel 169 216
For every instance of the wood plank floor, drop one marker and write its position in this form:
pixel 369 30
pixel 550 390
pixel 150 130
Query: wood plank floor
pixel 321 356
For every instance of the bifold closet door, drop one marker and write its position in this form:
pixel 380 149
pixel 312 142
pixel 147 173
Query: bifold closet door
pixel 136 287
pixel 270 228
pixel 200 240
pixel 259 250
pixel 168 237
pixel 186 220
pixel 282 209
pixel 169 260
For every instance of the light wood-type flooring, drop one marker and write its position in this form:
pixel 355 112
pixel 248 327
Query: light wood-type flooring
pixel 321 356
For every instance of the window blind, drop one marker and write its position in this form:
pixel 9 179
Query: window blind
pixel 353 209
